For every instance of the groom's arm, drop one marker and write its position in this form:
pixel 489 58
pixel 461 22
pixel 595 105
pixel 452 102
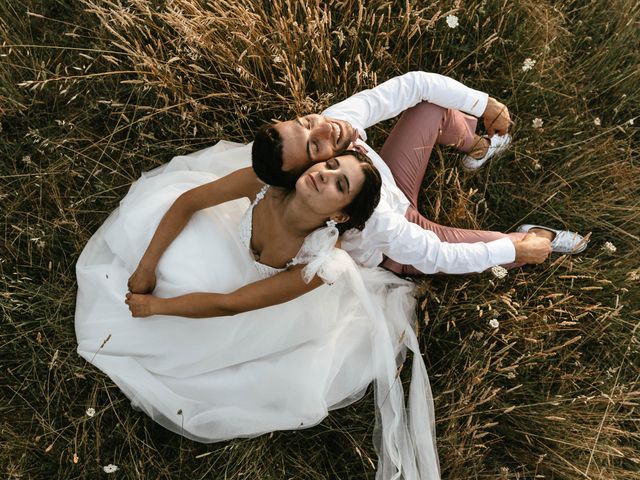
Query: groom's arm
pixel 407 243
pixel 396 95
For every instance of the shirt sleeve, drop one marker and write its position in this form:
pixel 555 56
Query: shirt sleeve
pixel 410 244
pixel 396 95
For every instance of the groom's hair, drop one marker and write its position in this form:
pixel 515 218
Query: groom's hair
pixel 266 158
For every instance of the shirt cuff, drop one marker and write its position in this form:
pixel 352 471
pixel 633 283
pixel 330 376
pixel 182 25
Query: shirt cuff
pixel 502 251
pixel 476 103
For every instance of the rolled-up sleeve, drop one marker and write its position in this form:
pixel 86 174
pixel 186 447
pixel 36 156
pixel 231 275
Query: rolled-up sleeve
pixel 396 95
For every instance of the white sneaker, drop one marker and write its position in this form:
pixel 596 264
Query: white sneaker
pixel 498 144
pixel 564 241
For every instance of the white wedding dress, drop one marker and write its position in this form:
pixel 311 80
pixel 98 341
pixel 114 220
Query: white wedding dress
pixel 278 368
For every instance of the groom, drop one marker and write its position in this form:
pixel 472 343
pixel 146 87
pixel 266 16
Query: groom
pixel 397 236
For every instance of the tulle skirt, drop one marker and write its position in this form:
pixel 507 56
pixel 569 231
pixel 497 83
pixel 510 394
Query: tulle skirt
pixel 278 368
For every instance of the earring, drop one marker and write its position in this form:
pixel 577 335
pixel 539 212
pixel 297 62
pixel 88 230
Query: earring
pixel 331 223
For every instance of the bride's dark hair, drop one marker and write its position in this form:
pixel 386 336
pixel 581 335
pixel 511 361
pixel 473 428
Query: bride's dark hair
pixel 363 204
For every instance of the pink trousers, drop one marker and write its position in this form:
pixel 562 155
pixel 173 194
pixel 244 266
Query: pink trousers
pixel 407 152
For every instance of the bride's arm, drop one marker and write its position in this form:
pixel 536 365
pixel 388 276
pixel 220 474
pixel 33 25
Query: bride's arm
pixel 278 289
pixel 241 183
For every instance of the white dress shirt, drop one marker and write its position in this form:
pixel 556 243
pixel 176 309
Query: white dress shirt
pixel 388 232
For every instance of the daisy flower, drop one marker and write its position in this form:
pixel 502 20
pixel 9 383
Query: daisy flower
pixel 499 272
pixel 528 64
pixel 452 21
pixel 110 468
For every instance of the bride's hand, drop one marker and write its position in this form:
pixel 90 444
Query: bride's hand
pixel 143 280
pixel 140 305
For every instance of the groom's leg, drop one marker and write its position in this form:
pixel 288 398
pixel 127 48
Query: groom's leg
pixel 411 141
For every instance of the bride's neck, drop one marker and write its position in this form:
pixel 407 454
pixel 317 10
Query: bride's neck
pixel 296 216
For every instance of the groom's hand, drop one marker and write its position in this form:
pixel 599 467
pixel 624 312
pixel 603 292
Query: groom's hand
pixel 532 249
pixel 496 117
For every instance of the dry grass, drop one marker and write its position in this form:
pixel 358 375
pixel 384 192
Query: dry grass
pixel 93 92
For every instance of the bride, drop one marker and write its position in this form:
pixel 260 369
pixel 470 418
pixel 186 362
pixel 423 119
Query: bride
pixel 289 327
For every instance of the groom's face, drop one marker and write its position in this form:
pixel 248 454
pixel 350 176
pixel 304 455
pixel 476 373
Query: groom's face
pixel 311 139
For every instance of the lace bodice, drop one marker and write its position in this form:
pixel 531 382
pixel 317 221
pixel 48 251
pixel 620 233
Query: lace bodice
pixel 246 231
pixel 318 250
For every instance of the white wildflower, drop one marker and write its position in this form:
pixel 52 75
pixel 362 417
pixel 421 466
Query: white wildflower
pixel 494 323
pixel 27 160
pixel 90 412
pixel 597 122
pixel 452 21
pixel 537 122
pixel 511 375
pixel 609 247
pixel 110 468
pixel 499 272
pixel 277 59
pixel 528 64
pixel 630 122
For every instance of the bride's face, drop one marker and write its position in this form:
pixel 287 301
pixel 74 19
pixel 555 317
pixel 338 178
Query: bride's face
pixel 330 186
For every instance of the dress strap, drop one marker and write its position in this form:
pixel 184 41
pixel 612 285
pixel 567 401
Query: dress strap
pixel 260 195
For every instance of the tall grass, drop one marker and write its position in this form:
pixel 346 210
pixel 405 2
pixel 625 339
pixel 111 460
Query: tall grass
pixel 92 93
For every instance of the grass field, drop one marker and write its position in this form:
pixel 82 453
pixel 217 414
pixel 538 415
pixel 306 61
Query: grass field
pixel 94 92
